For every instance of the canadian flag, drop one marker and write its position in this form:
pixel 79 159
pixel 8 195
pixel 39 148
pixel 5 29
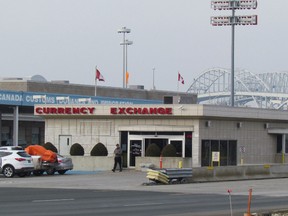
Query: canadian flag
pixel 99 76
pixel 180 78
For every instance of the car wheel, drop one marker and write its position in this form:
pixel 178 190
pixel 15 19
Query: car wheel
pixel 61 172
pixel 50 171
pixel 8 171
pixel 38 172
pixel 22 174
pixel 183 181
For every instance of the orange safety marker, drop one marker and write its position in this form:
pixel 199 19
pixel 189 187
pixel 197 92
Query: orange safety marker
pixel 249 203
pixel 230 201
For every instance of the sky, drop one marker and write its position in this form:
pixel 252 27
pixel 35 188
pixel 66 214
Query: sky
pixel 67 39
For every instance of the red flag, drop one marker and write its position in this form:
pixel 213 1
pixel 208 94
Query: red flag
pixel 180 78
pixel 99 76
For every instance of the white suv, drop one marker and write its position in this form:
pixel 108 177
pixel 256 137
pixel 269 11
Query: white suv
pixel 14 160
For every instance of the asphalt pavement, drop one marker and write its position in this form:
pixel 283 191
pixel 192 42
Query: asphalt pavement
pixel 132 180
pixel 136 180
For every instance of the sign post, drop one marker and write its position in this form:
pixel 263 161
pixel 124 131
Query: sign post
pixel 215 158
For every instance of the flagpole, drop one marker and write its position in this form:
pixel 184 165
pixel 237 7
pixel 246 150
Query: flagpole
pixel 178 84
pixel 96 80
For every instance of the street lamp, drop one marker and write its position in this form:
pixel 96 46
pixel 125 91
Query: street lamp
pixel 233 21
pixel 124 30
pixel 125 44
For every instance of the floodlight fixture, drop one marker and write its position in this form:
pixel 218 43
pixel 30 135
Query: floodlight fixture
pixel 233 21
pixel 124 30
pixel 237 20
pixel 236 4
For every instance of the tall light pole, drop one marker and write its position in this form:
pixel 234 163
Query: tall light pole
pixel 232 54
pixel 153 78
pixel 124 30
pixel 232 21
pixel 126 43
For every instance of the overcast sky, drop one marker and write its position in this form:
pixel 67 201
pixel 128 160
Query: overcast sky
pixel 66 39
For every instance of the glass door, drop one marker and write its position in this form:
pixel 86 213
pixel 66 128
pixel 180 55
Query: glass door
pixel 134 150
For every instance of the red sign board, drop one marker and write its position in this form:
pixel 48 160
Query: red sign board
pixel 86 110
pixel 141 111
pixel 64 110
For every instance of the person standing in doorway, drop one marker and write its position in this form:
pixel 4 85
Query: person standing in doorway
pixel 117 158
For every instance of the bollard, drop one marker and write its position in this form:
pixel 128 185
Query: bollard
pixel 249 203
pixel 160 162
pixel 180 165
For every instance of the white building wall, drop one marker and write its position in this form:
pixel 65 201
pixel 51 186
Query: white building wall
pixel 90 132
pixel 260 146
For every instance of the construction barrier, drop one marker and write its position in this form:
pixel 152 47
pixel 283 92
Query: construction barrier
pixel 170 175
pixel 157 176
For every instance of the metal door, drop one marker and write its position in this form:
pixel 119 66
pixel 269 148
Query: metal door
pixel 65 142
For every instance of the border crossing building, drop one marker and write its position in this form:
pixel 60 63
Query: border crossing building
pixel 235 135
pixel 64 114
pixel 18 96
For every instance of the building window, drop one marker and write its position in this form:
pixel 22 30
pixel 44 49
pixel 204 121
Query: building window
pixel 5 135
pixel 226 148
pixel 35 135
pixel 279 143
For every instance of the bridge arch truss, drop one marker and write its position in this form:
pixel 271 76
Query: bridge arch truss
pixel 267 90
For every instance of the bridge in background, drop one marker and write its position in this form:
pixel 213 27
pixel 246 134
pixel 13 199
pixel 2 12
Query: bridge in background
pixel 267 90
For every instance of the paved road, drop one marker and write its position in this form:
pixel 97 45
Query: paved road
pixel 129 185
pixel 79 202
pixel 133 180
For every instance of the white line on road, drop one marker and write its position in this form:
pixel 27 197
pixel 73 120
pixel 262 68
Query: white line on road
pixel 53 200
pixel 143 204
